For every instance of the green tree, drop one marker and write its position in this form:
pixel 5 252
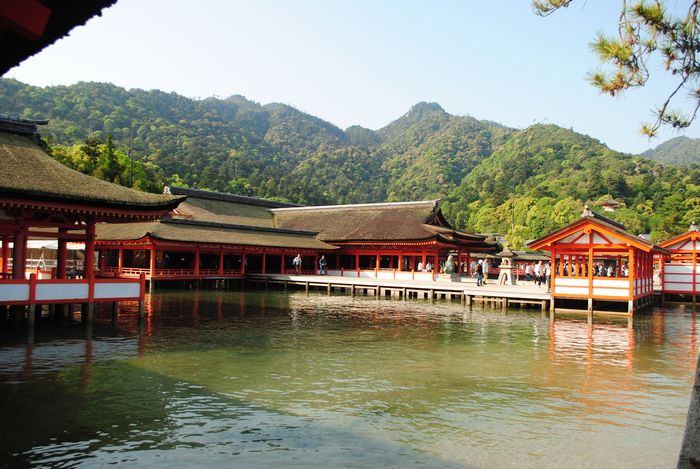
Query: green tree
pixel 647 30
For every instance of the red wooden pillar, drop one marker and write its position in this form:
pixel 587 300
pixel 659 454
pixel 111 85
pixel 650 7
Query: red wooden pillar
pixel 5 266
pixel 632 279
pixel 282 264
pixel 243 262
pixel 619 266
pixel 662 274
pixel 61 254
pixel 153 262
pixel 264 262
pixel 695 271
pixel 590 273
pixel 19 251
pixel 196 261
pixel 316 264
pixel 357 262
pixel 89 268
pixel 120 262
pixel 221 262
pixel 376 266
pixel 553 274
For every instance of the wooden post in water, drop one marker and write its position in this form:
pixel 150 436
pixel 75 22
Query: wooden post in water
pixel 31 317
pixel 115 311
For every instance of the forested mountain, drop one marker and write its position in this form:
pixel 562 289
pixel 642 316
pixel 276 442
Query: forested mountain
pixel 479 168
pixel 682 151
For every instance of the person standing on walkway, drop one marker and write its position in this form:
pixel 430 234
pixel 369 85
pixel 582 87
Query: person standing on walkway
pixel 297 264
pixel 539 271
pixel 479 274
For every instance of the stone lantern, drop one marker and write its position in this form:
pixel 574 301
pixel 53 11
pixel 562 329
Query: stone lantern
pixel 506 275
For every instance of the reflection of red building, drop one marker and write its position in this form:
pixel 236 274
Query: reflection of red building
pixel 42 199
pixel 681 270
pixel 596 259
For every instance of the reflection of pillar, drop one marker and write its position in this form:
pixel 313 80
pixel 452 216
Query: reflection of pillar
pixel 28 354
pixel 87 365
pixel 195 310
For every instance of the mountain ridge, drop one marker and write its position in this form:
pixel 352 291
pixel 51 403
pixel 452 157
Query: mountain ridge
pixel 491 177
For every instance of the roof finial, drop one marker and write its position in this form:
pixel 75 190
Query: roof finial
pixel 587 212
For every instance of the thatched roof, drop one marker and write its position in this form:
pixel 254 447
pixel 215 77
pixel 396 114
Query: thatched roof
pixel 189 231
pixel 27 173
pixel 225 208
pixel 395 222
pixel 31 26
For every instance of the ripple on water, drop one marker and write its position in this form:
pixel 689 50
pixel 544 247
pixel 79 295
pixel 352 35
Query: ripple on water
pixel 261 379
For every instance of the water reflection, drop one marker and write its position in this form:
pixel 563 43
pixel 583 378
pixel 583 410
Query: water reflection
pixel 271 378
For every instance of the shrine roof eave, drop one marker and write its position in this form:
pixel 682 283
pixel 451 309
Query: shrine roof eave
pixel 208 233
pixel 681 237
pixel 547 241
pixel 100 212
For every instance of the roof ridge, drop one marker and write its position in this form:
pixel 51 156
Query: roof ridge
pixel 213 224
pixel 434 203
pixel 225 197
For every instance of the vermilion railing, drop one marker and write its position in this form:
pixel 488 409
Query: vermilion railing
pixel 172 273
pixel 56 291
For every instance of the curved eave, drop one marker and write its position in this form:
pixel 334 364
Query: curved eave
pixel 114 213
pixel 546 242
pixel 681 237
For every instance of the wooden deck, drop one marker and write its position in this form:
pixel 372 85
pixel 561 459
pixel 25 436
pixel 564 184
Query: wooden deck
pixel 465 290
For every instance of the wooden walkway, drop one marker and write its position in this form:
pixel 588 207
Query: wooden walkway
pixel 466 290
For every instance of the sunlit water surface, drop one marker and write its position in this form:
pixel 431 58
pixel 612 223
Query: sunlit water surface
pixel 263 379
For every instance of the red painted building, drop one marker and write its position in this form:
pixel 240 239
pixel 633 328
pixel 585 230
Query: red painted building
pixel 680 272
pixel 214 235
pixel 401 240
pixel 42 199
pixel 597 260
pixel 210 236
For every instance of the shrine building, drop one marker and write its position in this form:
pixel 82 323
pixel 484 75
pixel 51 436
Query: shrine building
pixel 596 260
pixel 680 270
pixel 42 199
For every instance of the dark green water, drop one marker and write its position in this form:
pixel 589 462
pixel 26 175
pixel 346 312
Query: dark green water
pixel 230 379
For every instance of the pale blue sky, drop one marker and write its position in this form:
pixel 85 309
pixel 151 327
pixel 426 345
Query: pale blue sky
pixel 364 62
